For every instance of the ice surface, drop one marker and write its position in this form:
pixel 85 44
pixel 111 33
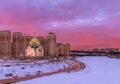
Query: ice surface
pixel 99 70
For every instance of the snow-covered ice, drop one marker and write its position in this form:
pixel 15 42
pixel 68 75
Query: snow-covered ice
pixel 99 70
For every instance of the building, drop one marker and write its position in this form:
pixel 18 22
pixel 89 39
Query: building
pixel 112 50
pixel 67 49
pixel 63 49
pixel 60 49
pixel 5 44
pixel 19 46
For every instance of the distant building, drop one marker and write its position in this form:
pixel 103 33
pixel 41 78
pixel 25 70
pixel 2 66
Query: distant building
pixel 79 53
pixel 112 50
pixel 101 50
pixel 19 46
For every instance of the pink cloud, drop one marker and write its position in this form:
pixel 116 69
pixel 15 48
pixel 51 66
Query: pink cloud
pixel 82 23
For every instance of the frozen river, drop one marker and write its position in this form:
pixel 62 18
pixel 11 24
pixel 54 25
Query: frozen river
pixel 99 70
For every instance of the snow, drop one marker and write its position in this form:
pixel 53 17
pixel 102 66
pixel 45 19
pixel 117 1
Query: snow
pixel 30 67
pixel 99 70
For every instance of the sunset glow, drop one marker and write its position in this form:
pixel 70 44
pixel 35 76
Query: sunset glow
pixel 82 23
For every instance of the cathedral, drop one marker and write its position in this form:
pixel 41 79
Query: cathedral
pixel 15 45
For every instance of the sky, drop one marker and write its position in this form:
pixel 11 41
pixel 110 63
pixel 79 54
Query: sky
pixel 84 24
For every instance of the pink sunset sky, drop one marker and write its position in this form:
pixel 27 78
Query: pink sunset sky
pixel 82 23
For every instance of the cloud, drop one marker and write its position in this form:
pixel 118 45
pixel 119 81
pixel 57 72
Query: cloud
pixel 83 23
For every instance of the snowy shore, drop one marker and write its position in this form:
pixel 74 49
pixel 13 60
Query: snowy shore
pixel 36 69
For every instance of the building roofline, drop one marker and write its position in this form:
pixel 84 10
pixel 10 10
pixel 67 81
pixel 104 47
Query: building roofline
pixel 5 31
pixel 51 33
pixel 27 36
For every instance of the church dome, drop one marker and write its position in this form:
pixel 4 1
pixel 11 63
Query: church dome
pixel 34 41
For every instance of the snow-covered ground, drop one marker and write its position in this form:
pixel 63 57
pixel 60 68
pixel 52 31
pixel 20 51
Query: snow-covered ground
pixel 22 68
pixel 99 70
